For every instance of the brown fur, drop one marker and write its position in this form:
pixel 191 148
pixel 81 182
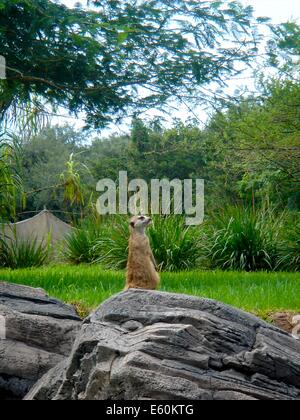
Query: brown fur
pixel 141 266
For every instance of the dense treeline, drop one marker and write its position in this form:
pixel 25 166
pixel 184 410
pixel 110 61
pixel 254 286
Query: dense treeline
pixel 248 154
pixel 120 59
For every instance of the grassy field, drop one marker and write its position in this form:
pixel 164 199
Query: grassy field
pixel 88 286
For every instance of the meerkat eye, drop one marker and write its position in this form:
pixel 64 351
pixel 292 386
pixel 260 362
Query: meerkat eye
pixel 142 218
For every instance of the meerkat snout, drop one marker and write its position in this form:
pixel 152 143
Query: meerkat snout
pixel 141 265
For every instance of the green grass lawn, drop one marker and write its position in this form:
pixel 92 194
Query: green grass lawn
pixel 90 285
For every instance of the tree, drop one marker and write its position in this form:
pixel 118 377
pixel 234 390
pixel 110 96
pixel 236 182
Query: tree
pixel 126 57
pixel 284 48
pixel 170 153
pixel 44 158
pixel 254 146
pixel 10 181
pixel 106 157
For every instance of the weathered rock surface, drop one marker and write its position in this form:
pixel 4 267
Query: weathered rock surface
pixel 150 345
pixel 36 333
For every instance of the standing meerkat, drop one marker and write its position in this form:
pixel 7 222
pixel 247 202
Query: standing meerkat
pixel 141 267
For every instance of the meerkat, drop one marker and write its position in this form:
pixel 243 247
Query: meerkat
pixel 141 267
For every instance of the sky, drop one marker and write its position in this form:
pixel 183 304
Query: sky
pixel 278 10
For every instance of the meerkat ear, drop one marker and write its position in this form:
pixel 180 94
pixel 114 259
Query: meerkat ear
pixel 132 224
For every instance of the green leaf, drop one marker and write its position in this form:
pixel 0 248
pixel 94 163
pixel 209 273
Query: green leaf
pixel 263 19
pixel 216 4
pixel 122 37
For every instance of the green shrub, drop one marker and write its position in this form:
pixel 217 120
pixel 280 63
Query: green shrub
pixel 242 239
pixel 290 249
pixel 23 254
pixel 79 245
pixel 175 247
pixel 112 246
pixel 236 239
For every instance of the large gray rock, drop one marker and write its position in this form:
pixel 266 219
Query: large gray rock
pixel 150 345
pixel 36 334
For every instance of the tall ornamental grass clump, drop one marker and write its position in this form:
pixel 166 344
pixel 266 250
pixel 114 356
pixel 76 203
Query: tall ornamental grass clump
pixel 79 244
pixel 290 248
pixel 18 254
pixel 244 239
pixel 235 239
pixel 175 246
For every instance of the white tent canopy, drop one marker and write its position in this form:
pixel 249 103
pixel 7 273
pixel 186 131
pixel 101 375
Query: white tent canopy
pixel 42 227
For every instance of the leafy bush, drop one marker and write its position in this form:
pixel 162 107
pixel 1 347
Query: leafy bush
pixel 79 245
pixel 23 254
pixel 290 249
pixel 175 247
pixel 241 239
pixel 236 239
pixel 112 246
pixel 10 181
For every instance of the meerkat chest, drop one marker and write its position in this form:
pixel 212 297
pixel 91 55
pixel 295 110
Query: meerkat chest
pixel 140 244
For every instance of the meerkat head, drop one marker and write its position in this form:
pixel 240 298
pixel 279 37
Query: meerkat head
pixel 140 223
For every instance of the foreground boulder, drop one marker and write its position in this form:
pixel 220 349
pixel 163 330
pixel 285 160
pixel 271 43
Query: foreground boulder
pixel 36 333
pixel 149 345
